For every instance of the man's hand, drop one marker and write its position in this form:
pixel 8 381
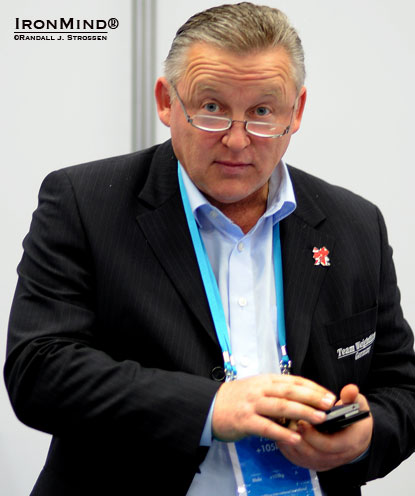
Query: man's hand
pixel 255 405
pixel 323 452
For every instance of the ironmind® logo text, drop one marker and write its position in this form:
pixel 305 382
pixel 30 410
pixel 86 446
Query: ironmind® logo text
pixel 63 28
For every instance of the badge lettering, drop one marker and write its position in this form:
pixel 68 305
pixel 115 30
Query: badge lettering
pixel 358 349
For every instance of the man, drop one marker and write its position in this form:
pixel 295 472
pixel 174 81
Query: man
pixel 120 335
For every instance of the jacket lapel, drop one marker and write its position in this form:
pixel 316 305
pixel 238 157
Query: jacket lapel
pixel 164 226
pixel 300 233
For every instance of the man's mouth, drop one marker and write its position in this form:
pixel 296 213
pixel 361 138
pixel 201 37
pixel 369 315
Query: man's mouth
pixel 229 163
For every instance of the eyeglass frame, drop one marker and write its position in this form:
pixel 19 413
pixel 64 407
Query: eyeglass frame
pixel 231 121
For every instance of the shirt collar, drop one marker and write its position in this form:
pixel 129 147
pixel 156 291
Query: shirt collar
pixel 281 198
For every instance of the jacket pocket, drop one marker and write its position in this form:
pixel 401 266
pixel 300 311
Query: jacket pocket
pixel 341 352
pixel 351 342
pixel 353 332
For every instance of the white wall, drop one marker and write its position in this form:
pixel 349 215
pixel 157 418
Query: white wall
pixel 357 129
pixel 62 102
pixel 68 102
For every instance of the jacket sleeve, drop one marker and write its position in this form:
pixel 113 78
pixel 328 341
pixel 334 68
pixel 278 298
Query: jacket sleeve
pixel 60 378
pixel 391 389
pixel 389 385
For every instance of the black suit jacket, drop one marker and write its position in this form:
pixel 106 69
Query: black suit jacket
pixel 111 344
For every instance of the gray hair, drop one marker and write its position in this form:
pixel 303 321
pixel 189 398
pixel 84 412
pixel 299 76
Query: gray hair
pixel 239 28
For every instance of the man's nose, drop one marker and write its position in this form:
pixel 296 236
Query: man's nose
pixel 236 137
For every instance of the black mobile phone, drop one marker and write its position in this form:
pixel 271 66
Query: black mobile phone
pixel 340 417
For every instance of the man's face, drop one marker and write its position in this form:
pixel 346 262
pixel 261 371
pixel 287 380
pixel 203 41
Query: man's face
pixel 231 166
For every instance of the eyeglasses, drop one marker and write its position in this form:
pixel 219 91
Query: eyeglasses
pixel 212 123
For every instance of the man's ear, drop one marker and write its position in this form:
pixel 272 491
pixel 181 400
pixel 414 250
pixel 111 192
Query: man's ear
pixel 162 95
pixel 298 112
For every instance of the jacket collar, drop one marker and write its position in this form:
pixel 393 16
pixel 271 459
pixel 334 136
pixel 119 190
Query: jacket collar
pixel 161 183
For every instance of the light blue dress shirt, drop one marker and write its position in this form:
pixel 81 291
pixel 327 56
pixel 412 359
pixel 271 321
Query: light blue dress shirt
pixel 243 267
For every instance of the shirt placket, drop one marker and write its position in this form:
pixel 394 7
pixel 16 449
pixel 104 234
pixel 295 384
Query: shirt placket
pixel 242 320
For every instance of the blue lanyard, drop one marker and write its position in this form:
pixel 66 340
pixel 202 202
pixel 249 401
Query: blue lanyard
pixel 285 363
pixel 213 295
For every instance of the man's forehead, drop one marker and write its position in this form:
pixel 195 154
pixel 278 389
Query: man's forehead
pixel 209 87
pixel 209 67
pixel 242 64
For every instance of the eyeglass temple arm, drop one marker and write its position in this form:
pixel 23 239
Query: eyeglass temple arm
pixel 189 119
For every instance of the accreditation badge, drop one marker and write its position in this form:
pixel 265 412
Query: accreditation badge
pixel 261 470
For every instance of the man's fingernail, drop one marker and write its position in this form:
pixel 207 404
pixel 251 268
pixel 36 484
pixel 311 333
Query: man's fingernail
pixel 328 400
pixel 319 416
pixel 295 437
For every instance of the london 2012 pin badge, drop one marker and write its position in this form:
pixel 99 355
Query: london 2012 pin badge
pixel 321 256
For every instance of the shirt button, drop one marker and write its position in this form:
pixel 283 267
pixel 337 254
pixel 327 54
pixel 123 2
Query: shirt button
pixel 213 214
pixel 242 301
pixel 218 374
pixel 241 246
pixel 244 361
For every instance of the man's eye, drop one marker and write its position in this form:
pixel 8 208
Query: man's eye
pixel 211 107
pixel 262 111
